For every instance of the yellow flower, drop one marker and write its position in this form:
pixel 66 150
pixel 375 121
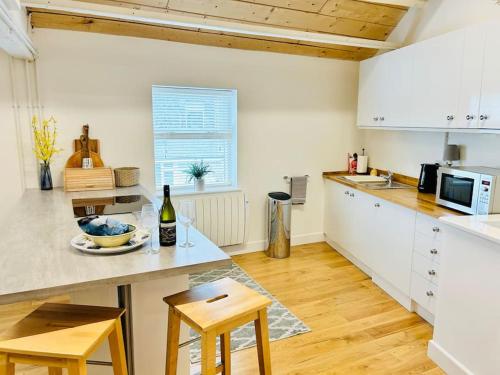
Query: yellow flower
pixel 44 135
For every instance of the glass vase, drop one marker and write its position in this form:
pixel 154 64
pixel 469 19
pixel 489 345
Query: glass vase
pixel 45 177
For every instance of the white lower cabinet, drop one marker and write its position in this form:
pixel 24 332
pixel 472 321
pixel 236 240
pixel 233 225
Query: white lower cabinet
pixel 398 247
pixel 377 233
pixel 424 292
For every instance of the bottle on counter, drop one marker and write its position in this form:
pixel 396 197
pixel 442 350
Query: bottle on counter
pixel 168 235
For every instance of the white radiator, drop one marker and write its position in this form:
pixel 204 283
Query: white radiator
pixel 221 217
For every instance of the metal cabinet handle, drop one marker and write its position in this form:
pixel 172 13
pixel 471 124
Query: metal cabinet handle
pixel 450 117
pixel 483 117
pixel 436 229
pixel 429 293
pixel 433 251
pixel 431 273
pixel 377 205
pixel 469 117
pixel 375 118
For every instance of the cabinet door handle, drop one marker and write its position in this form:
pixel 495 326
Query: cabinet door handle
pixel 450 117
pixel 431 273
pixel 483 117
pixel 377 205
pixel 469 117
pixel 429 293
pixel 433 251
pixel 436 229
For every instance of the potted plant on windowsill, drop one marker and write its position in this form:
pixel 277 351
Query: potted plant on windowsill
pixel 44 135
pixel 197 172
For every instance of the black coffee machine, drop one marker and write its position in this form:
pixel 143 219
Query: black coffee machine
pixel 428 178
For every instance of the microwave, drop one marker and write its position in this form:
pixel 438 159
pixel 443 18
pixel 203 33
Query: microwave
pixel 473 190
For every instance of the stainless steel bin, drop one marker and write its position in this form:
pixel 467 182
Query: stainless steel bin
pixel 279 214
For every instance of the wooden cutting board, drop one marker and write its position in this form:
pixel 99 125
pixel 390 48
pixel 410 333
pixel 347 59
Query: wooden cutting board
pixel 94 145
pixel 75 160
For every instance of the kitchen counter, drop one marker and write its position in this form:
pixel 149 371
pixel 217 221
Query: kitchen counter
pixel 485 226
pixel 37 260
pixel 409 198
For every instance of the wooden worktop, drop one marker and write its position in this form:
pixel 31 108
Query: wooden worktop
pixel 410 198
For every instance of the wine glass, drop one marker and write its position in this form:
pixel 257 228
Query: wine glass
pixel 186 218
pixel 149 220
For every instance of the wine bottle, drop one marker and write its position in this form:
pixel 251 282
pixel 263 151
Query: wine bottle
pixel 167 220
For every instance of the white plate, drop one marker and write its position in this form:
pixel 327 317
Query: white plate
pixel 84 244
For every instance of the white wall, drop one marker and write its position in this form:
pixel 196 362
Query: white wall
pixel 296 114
pixel 403 151
pixel 11 186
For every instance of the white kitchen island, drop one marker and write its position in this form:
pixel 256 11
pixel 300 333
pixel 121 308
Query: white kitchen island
pixel 467 322
pixel 37 261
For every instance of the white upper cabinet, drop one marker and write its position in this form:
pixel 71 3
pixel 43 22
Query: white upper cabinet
pixel 446 82
pixel 396 94
pixel 489 111
pixel 436 81
pixel 384 95
pixel 371 77
pixel 471 76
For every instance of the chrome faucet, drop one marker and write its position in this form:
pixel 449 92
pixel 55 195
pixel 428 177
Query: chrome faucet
pixel 388 177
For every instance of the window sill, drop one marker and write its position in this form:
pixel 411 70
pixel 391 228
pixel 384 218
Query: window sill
pixel 190 191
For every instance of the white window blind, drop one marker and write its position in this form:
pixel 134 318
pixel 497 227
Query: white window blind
pixel 192 125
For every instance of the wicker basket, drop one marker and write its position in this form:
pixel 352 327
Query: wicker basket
pixel 126 176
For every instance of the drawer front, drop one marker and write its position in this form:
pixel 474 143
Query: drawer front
pixel 425 268
pixel 429 227
pixel 423 292
pixel 427 247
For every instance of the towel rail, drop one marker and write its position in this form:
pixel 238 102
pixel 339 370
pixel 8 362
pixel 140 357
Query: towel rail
pixel 288 178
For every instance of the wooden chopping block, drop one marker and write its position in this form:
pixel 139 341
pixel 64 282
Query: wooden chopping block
pixel 75 160
pixel 94 145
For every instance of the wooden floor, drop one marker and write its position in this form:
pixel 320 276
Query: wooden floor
pixel 356 327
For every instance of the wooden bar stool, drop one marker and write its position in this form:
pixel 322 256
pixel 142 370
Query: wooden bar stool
pixel 214 309
pixel 61 336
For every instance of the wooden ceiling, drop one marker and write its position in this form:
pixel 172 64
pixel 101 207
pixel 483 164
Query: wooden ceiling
pixel 351 18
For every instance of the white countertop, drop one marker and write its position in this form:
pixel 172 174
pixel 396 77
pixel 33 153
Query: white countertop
pixel 485 226
pixel 37 260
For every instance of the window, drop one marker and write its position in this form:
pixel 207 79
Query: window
pixel 192 125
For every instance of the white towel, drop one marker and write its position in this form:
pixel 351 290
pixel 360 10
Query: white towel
pixel 298 189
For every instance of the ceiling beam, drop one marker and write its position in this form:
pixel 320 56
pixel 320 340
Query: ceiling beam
pixel 402 3
pixel 193 22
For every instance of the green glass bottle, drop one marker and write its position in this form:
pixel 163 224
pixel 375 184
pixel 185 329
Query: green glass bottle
pixel 168 234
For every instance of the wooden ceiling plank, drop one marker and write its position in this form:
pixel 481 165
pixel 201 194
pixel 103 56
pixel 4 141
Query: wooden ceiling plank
pixel 223 26
pixel 117 27
pixel 304 5
pixel 274 16
pixel 399 3
pixel 362 11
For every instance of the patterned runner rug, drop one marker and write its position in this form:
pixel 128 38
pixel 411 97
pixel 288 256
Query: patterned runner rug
pixel 282 323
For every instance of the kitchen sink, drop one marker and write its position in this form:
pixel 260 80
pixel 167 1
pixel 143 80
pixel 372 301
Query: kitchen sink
pixel 385 185
pixel 378 185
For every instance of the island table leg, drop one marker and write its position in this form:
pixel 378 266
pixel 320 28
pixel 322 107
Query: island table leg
pixel 125 301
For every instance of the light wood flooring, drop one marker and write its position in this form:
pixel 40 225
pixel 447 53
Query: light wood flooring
pixel 356 327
